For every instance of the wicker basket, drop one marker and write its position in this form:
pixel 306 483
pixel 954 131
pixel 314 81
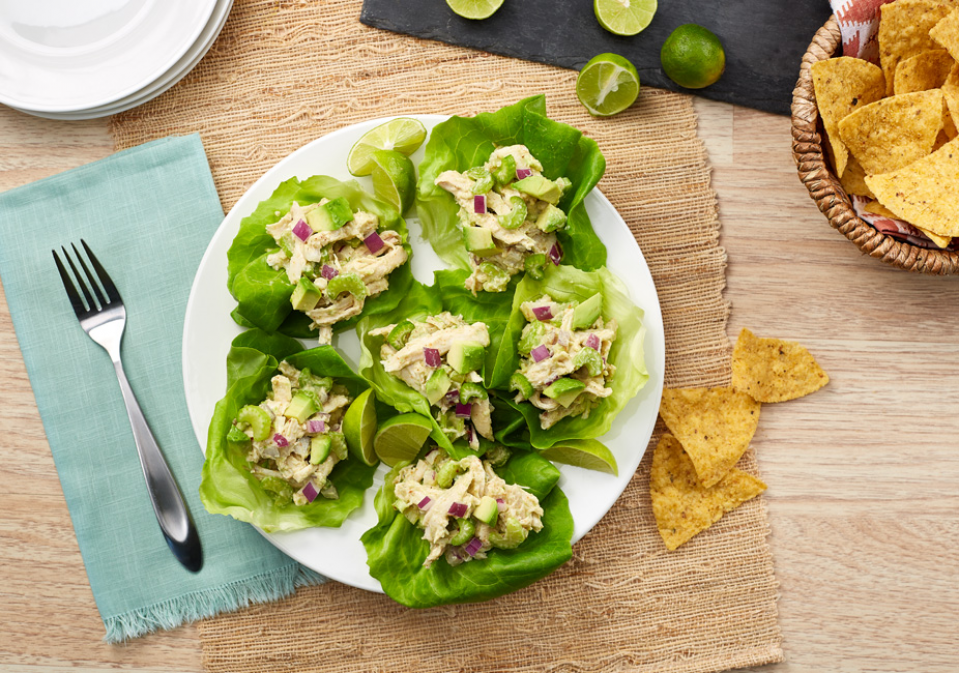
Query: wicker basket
pixel 825 189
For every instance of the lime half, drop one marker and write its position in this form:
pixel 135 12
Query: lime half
pixel 394 178
pixel 624 17
pixel 607 84
pixel 475 9
pixel 401 438
pixel 693 57
pixel 359 427
pixel 588 453
pixel 404 135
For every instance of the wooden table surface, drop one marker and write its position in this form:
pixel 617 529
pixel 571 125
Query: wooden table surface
pixel 863 476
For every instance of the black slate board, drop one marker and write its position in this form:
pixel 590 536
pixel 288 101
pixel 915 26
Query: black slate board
pixel 764 39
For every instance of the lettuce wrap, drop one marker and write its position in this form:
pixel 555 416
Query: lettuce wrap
pixel 228 487
pixel 263 293
pixel 567 284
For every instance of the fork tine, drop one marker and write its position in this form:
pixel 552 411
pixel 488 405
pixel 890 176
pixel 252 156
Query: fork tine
pixel 93 282
pixel 83 286
pixel 75 301
pixel 102 274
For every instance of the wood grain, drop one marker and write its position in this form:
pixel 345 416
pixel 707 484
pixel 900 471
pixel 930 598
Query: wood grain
pixel 863 476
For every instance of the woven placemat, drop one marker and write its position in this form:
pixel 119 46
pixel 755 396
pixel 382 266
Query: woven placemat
pixel 284 73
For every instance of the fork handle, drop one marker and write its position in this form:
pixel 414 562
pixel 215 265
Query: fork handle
pixel 168 504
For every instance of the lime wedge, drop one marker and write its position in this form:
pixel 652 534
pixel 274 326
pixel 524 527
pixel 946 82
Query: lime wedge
pixel 404 135
pixel 394 178
pixel 359 426
pixel 587 453
pixel 475 9
pixel 401 438
pixel 607 84
pixel 624 17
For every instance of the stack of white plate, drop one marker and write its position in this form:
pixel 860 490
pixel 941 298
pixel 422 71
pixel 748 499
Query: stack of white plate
pixel 80 59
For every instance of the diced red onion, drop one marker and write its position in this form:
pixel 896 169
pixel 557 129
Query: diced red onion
pixel 479 204
pixel 553 380
pixel 425 504
pixel 315 426
pixel 540 353
pixel 329 272
pixel 429 453
pixel 543 313
pixel 555 254
pixel 280 440
pixel 432 357
pixel 523 173
pixel 469 433
pixel 452 397
pixel 464 410
pixel 374 242
pixel 592 341
pixel 458 510
pixel 310 492
pixel 501 504
pixel 473 546
pixel 302 230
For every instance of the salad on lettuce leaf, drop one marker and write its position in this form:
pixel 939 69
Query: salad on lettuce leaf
pixel 315 257
pixel 276 456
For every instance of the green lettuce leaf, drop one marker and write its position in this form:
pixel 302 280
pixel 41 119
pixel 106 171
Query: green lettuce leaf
pixel 461 143
pixel 263 293
pixel 227 486
pixel 563 284
pixel 396 548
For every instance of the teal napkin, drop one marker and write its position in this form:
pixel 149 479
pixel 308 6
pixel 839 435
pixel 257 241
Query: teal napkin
pixel 148 214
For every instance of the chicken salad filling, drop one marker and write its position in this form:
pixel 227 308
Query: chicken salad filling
pixel 464 508
pixel 564 358
pixel 442 357
pixel 296 435
pixel 335 258
pixel 509 215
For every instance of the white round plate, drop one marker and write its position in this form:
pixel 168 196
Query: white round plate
pixel 65 55
pixel 208 331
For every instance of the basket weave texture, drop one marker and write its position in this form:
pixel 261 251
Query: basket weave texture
pixel 824 187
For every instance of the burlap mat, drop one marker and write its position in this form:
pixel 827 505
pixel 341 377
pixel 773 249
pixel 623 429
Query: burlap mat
pixel 284 73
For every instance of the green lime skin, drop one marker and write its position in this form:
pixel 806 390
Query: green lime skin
pixel 693 57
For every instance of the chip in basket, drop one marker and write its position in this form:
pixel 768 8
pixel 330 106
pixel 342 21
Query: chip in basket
pixel 924 71
pixel 878 209
pixel 950 90
pixel 854 179
pixel 684 507
pixel 904 31
pixel 946 33
pixel 773 370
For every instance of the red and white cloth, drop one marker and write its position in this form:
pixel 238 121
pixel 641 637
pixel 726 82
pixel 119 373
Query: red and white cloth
pixel 859 24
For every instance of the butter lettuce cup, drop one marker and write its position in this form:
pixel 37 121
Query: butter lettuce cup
pixel 502 194
pixel 276 456
pixel 571 356
pixel 316 257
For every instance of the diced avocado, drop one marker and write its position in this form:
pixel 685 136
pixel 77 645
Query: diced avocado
pixel 565 391
pixel 347 282
pixel 540 187
pixel 320 447
pixel 519 383
pixel 563 184
pixel 437 386
pixel 472 391
pixel 301 407
pixel 307 381
pixel 286 244
pixel 588 312
pixel 339 445
pixel 497 278
pixel 400 334
pixel 465 532
pixel 281 491
pixel 258 419
pixel 511 538
pixel 506 171
pixel 516 216
pixel 591 360
pixel 487 511
pixel 532 336
pixel 236 435
pixel 479 241
pixel 535 266
pixel 551 219
pixel 466 356
pixel 331 215
pixel 497 455
pixel 306 295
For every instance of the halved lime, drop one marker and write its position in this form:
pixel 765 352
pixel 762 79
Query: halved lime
pixel 394 178
pixel 404 135
pixel 607 84
pixel 588 453
pixel 359 427
pixel 401 438
pixel 475 9
pixel 624 17
pixel 693 56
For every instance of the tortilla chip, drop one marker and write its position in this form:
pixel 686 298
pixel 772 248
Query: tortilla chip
pixel 682 506
pixel 879 209
pixel 924 71
pixel 925 193
pixel 940 241
pixel 946 33
pixel 854 179
pixel 893 132
pixel 904 31
pixel 950 91
pixel 843 85
pixel 714 426
pixel 773 370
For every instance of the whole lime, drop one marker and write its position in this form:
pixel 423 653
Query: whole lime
pixel 693 57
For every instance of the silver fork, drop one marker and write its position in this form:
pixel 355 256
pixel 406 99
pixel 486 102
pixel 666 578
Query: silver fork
pixel 104 324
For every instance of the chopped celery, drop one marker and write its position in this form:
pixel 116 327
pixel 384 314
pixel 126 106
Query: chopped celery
pixel 516 216
pixel 532 335
pixel 346 282
pixel 505 173
pixel 258 419
pixel 591 360
pixel 518 382
pixel 511 538
pixel 400 334
pixel 473 391
pixel 535 266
